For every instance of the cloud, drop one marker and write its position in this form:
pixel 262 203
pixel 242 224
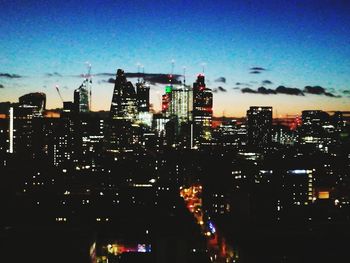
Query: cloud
pixel 10 76
pixel 261 90
pixel 266 82
pixel 257 69
pixel 289 91
pixel 222 89
pixel 154 78
pixel 318 90
pixel 215 90
pixel 236 88
pixel 242 84
pixel 255 72
pixel 265 91
pixel 162 78
pixel 278 90
pixel 1 86
pixel 329 94
pixel 221 79
pixel 248 90
pixel 54 74
pixel 346 91
pixel 110 80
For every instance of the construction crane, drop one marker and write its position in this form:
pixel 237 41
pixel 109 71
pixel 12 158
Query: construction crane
pixel 59 93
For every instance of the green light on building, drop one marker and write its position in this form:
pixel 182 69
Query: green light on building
pixel 168 89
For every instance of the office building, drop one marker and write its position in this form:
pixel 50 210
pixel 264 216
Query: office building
pixel 202 110
pixel 259 124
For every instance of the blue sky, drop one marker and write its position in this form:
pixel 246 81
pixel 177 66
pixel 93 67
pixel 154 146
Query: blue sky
pixel 299 43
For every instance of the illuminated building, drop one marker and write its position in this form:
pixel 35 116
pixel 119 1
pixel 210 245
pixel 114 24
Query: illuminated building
pixel 259 124
pixel 143 105
pixel 181 104
pixel 202 110
pixel 64 137
pixel 142 91
pixel 166 99
pixel 229 133
pixel 283 135
pixel 11 131
pixel 159 123
pixel 317 130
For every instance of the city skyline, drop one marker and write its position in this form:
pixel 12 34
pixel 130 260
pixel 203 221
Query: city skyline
pixel 247 46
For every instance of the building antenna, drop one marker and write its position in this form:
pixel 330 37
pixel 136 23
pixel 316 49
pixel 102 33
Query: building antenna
pixel 203 67
pixel 138 71
pixel 143 73
pixel 172 66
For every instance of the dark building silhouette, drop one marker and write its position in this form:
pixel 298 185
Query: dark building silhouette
pixel 259 122
pixel 314 117
pixel 37 100
pixel 122 133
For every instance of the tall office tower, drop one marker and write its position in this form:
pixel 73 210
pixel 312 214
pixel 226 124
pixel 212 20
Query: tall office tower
pixel 124 101
pixel 81 98
pixel 143 105
pixel 166 99
pixel 142 91
pixel 123 132
pixel 181 104
pixel 64 137
pixel 312 129
pixel 202 110
pixel 27 116
pixel 259 122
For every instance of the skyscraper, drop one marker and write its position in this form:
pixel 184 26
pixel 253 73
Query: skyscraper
pixel 81 98
pixel 124 101
pixel 123 113
pixel 142 91
pixel 181 104
pixel 259 122
pixel 202 110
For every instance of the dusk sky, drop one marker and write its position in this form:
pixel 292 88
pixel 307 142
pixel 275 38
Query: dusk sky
pixel 244 45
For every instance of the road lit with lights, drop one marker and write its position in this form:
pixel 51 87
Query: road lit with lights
pixel 218 249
